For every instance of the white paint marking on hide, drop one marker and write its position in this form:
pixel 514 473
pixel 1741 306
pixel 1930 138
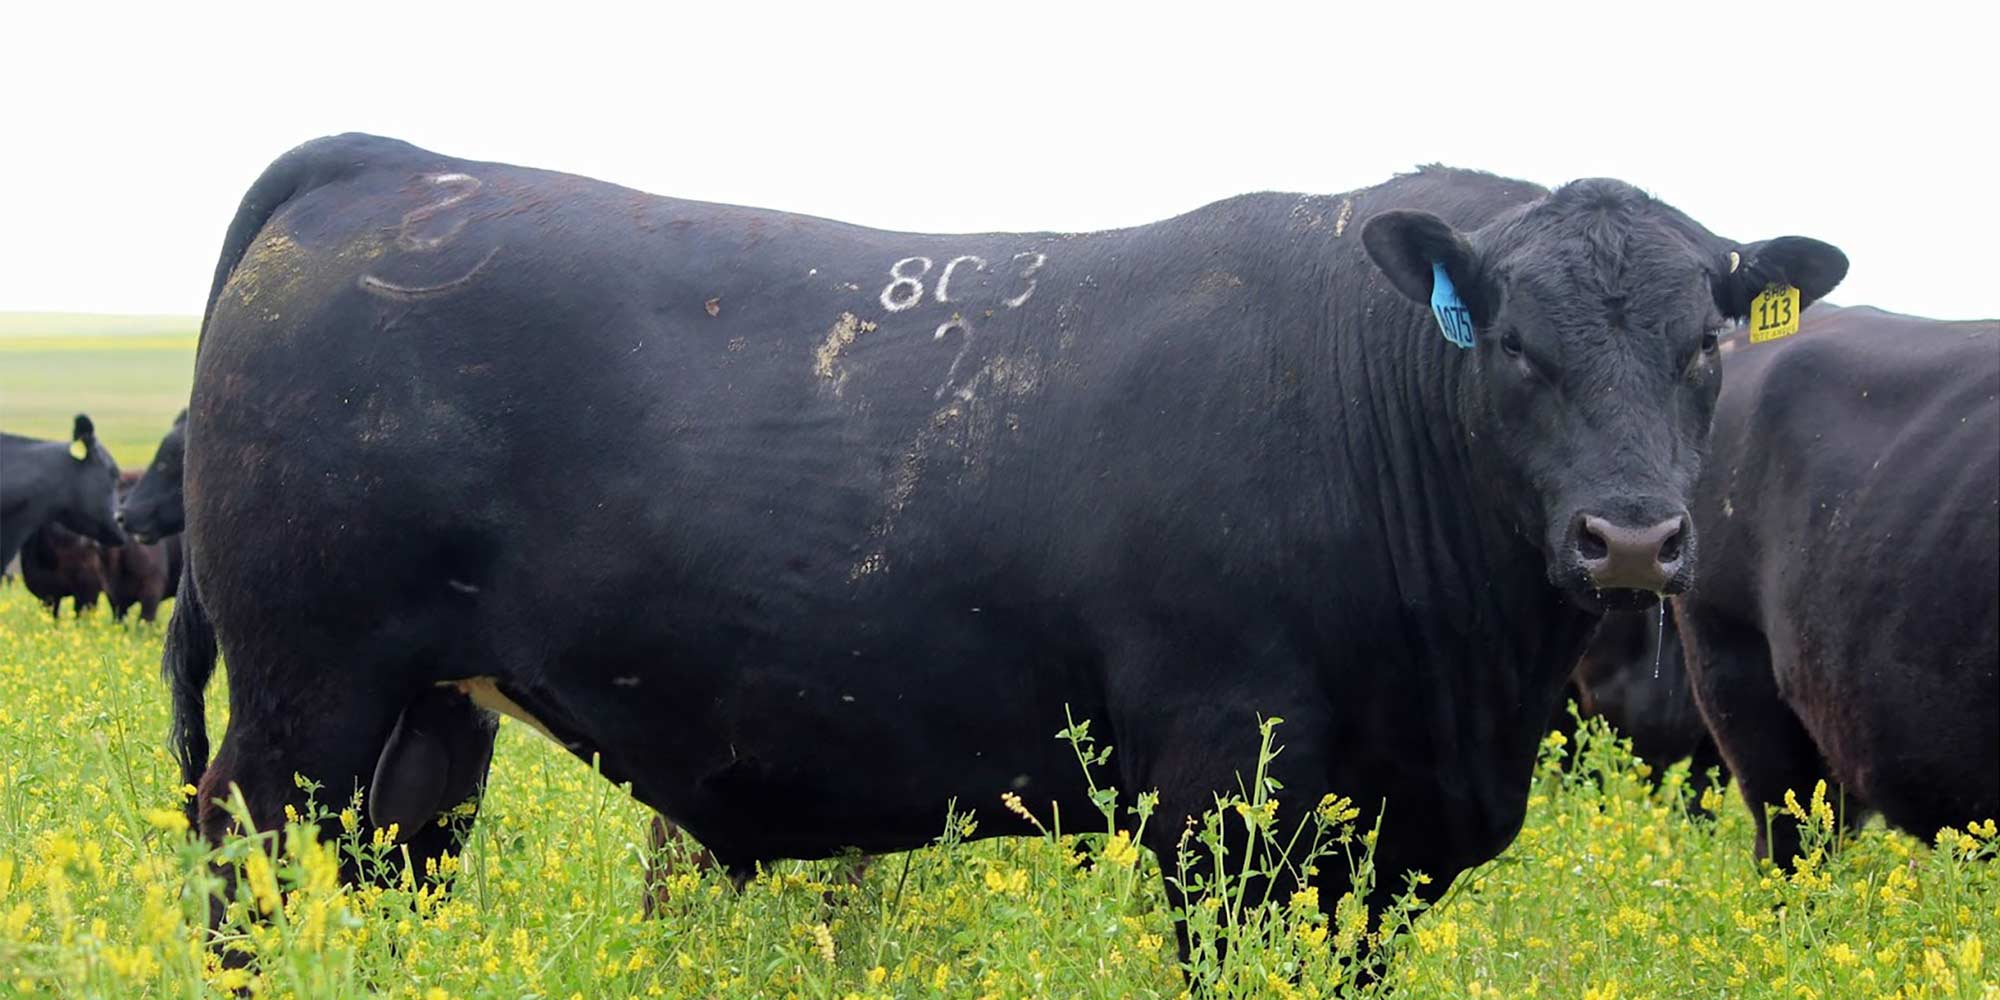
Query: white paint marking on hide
pixel 464 186
pixel 390 290
pixel 944 280
pixel 1346 213
pixel 951 374
pixel 487 695
pixel 1028 273
pixel 462 587
pixel 913 282
pixel 626 682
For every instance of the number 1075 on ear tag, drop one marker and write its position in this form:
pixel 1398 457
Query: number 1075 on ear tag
pixel 1774 313
pixel 1453 318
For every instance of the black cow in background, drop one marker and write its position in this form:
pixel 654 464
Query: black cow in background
pixel 140 572
pixel 152 510
pixel 1845 622
pixel 1633 675
pixel 853 519
pixel 72 483
pixel 57 563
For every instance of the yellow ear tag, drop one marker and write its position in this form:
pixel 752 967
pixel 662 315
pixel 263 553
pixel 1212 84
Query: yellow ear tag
pixel 1774 313
pixel 78 450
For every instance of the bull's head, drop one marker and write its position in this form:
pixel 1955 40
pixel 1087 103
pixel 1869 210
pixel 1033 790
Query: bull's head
pixel 1594 366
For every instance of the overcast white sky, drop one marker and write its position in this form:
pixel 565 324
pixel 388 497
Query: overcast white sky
pixel 127 136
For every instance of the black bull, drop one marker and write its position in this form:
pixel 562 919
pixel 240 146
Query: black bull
pixel 807 530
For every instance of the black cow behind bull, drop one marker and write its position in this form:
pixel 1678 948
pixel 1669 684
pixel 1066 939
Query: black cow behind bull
pixel 152 511
pixel 1845 625
pixel 851 519
pixel 1633 675
pixel 71 483
pixel 57 563
pixel 141 571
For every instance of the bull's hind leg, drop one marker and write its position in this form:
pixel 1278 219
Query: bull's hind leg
pixel 1763 742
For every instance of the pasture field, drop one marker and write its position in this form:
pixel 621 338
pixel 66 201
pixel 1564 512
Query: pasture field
pixel 1613 890
pixel 130 373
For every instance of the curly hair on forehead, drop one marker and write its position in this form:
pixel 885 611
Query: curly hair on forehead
pixel 1609 239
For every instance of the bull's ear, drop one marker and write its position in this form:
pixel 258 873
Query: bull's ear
pixel 1810 266
pixel 408 787
pixel 1408 245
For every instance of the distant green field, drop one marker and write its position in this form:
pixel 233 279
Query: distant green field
pixel 130 373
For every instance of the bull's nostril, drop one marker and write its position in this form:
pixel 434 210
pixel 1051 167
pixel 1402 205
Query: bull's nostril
pixel 1670 550
pixel 1590 545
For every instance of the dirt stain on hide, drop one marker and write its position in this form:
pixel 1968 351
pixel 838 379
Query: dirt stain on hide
pixel 1217 281
pixel 826 358
pixel 273 266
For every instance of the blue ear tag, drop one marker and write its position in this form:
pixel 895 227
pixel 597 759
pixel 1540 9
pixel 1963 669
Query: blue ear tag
pixel 1452 316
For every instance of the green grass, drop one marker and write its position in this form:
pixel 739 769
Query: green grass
pixel 1612 890
pixel 56 324
pixel 130 373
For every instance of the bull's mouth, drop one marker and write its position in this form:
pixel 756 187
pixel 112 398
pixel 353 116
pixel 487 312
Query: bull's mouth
pixel 1607 601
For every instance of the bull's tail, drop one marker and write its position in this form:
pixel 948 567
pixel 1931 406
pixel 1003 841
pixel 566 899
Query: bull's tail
pixel 187 664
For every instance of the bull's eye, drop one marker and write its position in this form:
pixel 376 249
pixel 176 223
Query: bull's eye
pixel 1709 341
pixel 1510 342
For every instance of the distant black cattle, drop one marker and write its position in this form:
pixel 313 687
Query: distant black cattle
pixel 139 572
pixel 1632 675
pixel 152 510
pixel 1845 624
pixel 850 520
pixel 69 483
pixel 59 564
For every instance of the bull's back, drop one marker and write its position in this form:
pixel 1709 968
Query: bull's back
pixel 499 349
pixel 791 482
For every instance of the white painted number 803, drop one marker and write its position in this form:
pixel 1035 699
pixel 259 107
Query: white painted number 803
pixel 905 289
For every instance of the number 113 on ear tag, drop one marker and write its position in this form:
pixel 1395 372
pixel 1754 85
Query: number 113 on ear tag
pixel 1774 313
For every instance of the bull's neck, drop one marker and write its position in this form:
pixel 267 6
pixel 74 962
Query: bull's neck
pixel 1476 583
